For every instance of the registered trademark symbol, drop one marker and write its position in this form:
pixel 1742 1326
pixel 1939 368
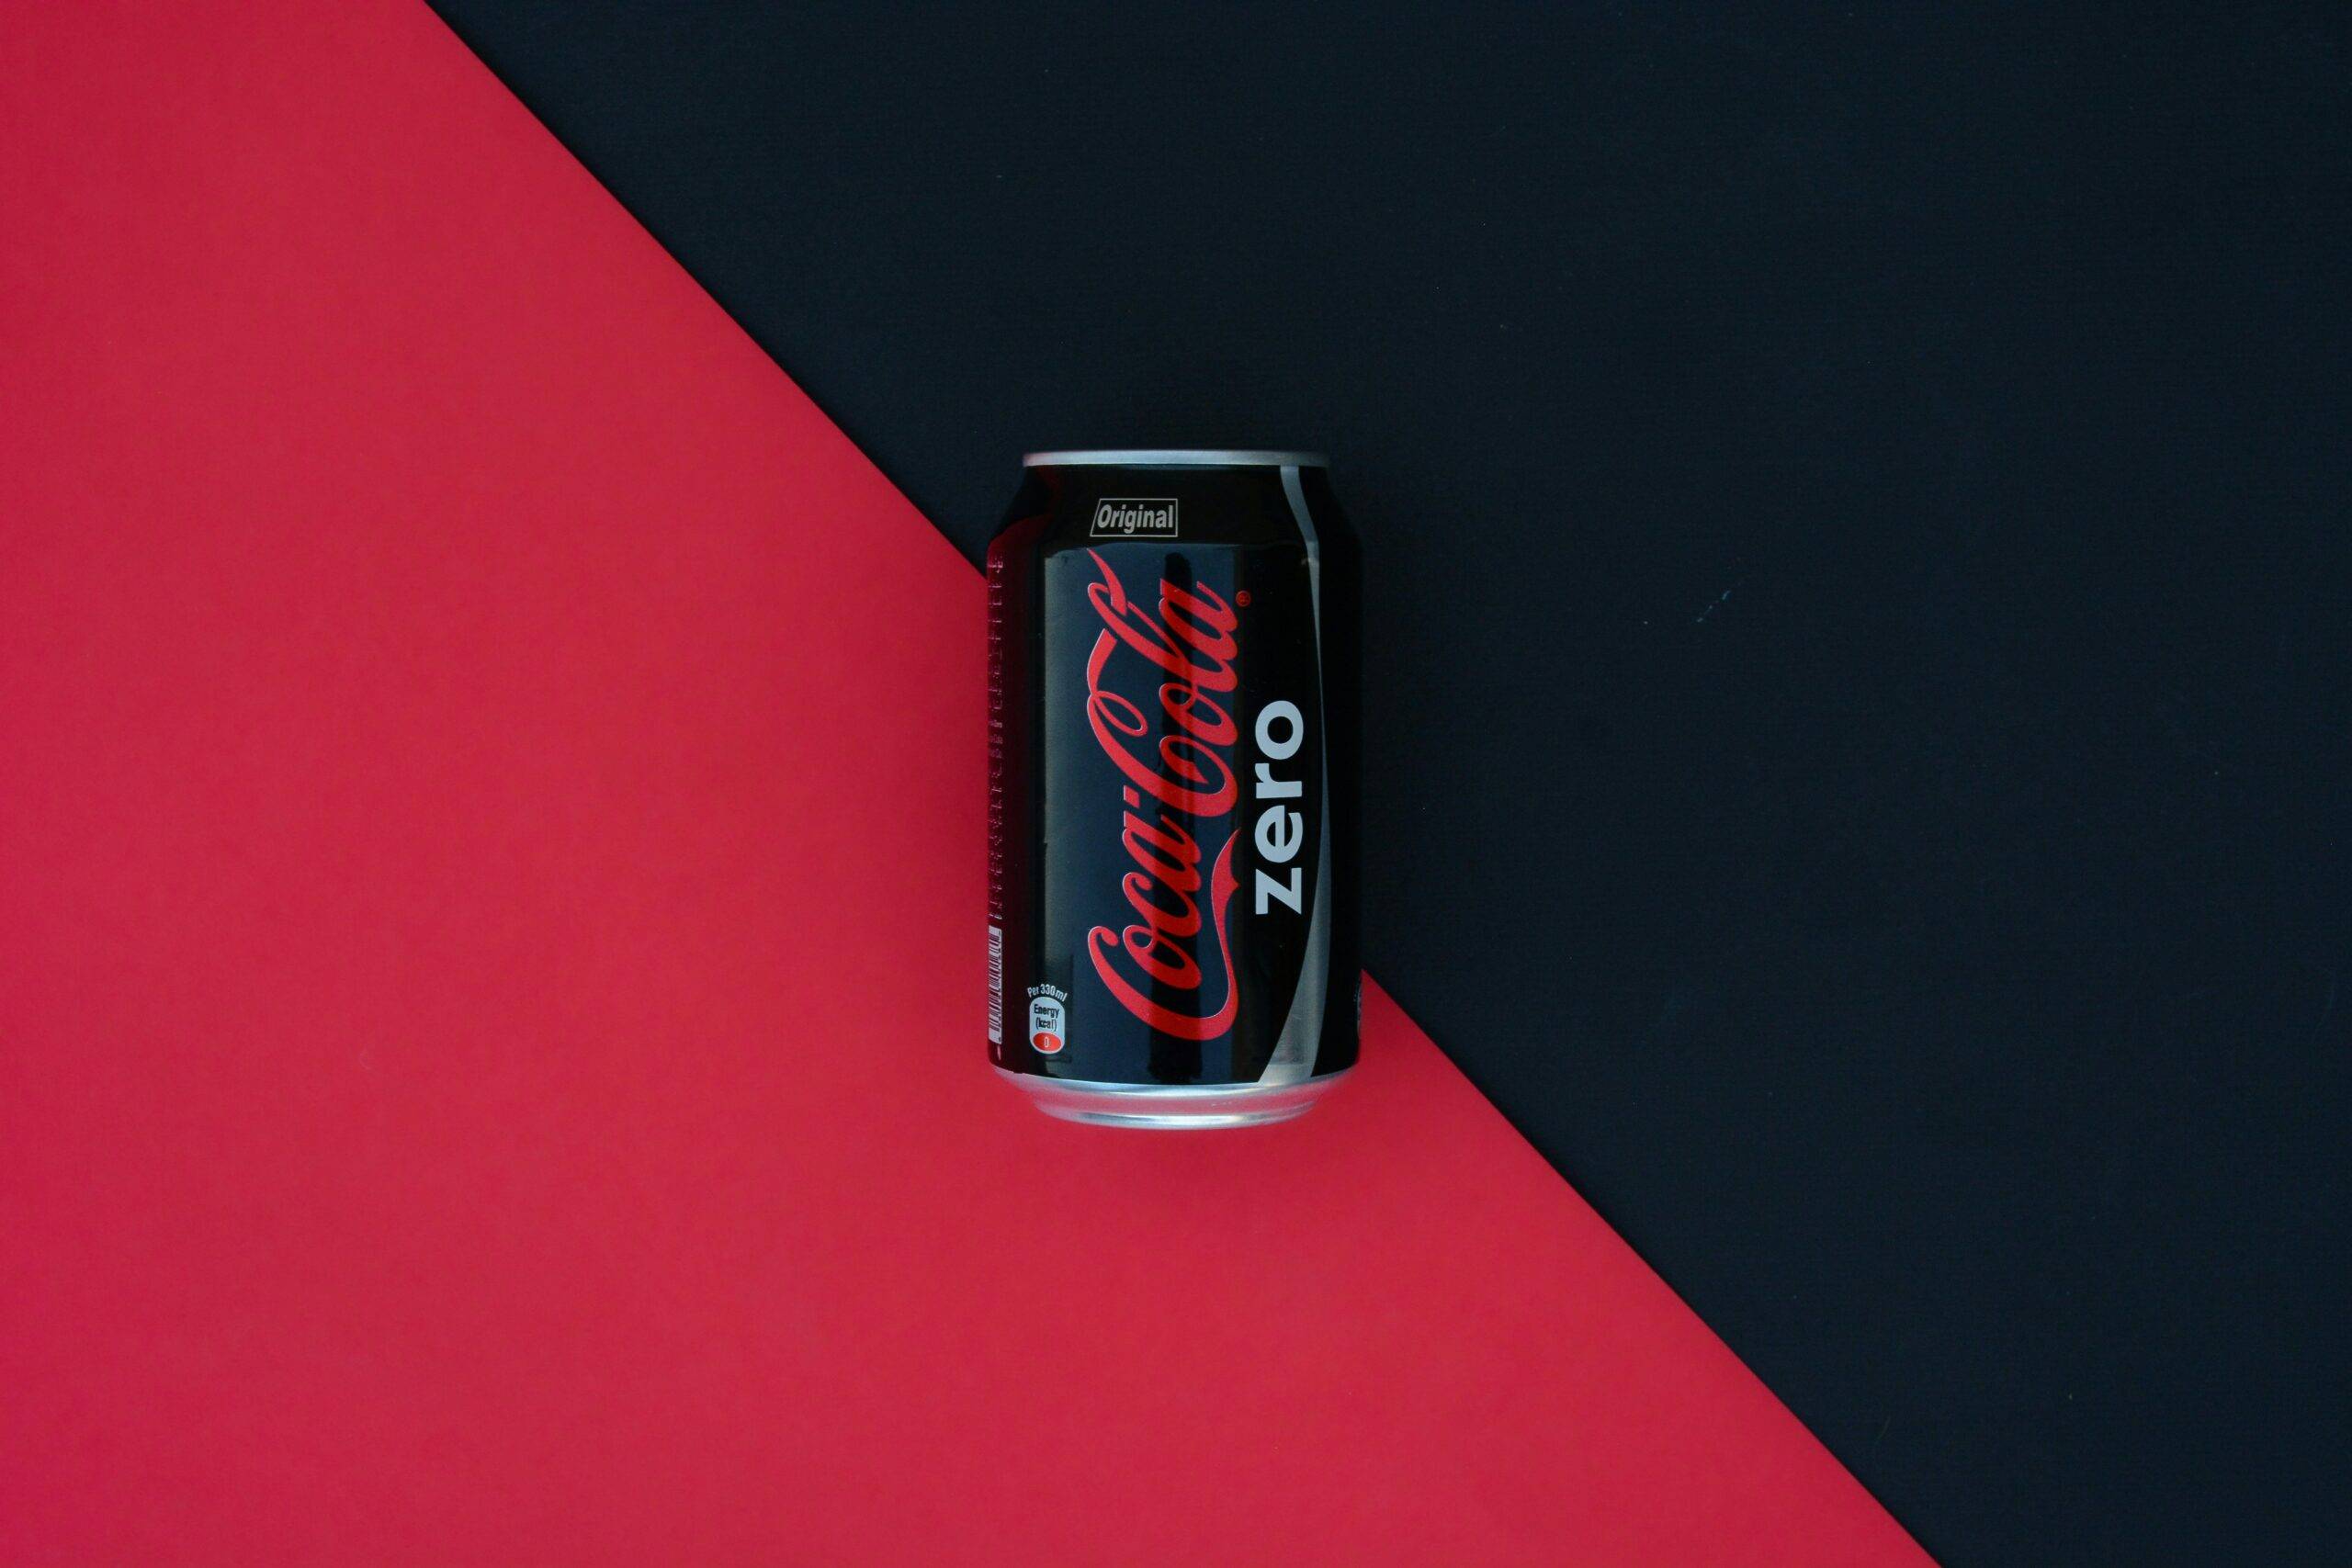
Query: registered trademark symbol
pixel 1242 598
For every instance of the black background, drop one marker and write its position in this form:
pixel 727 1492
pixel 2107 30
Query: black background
pixel 1853 505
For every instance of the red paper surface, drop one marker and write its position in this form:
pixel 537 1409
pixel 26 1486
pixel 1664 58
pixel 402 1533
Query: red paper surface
pixel 490 966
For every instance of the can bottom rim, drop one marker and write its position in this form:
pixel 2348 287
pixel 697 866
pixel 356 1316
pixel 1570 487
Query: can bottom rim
pixel 1172 1107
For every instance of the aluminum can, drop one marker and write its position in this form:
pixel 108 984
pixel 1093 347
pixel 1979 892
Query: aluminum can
pixel 1173 936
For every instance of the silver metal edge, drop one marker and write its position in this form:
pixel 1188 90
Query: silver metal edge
pixel 1173 457
pixel 1172 1091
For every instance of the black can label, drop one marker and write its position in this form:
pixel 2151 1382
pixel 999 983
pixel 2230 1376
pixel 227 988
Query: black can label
pixel 1186 850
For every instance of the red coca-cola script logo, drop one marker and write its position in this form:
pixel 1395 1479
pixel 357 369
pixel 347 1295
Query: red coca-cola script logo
pixel 1184 781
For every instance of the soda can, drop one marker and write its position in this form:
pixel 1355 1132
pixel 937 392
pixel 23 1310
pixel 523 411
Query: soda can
pixel 1173 936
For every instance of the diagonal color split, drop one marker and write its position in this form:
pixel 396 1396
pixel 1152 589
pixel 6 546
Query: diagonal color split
pixel 488 990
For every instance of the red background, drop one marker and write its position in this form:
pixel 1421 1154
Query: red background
pixel 488 978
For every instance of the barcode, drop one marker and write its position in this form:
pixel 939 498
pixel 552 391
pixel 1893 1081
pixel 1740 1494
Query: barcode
pixel 996 985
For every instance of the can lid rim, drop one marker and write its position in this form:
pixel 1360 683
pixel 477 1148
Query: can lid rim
pixel 1173 458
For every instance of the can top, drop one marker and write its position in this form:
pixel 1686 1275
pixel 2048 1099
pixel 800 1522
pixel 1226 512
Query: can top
pixel 1173 458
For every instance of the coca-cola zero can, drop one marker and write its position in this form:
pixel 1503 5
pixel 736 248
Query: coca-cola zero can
pixel 1173 752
